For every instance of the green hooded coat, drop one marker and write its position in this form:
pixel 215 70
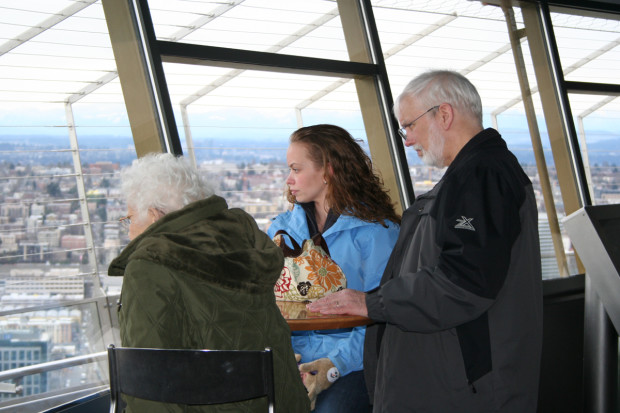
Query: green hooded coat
pixel 202 278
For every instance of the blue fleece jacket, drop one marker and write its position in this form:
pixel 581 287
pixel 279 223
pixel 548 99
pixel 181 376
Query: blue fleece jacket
pixel 362 250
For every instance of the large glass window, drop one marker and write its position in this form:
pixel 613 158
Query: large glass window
pixel 238 132
pixel 416 38
pixel 421 36
pixel 589 51
pixel 310 28
pixel 596 119
pixel 65 133
pixel 588 48
pixel 64 136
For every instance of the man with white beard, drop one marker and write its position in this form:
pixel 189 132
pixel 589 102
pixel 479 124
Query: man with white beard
pixel 458 314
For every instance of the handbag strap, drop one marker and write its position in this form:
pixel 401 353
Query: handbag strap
pixel 296 250
pixel 288 252
pixel 320 241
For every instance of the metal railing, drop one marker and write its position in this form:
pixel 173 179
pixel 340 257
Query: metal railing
pixel 52 365
pixel 104 326
pixel 54 398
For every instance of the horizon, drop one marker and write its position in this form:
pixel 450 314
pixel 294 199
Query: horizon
pixel 601 151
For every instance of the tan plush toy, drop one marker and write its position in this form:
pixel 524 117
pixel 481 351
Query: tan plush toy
pixel 317 376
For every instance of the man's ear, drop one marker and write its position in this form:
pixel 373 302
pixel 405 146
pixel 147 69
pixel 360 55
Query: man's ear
pixel 445 114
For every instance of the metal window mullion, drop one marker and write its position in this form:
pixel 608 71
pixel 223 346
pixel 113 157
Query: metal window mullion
pixel 399 157
pixel 140 84
pixel 189 140
pixel 196 54
pixel 569 124
pixel 590 88
pixel 569 165
pixel 155 69
pixel 530 113
pixel 79 177
pixel 372 92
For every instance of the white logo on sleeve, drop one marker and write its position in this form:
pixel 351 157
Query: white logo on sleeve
pixel 464 223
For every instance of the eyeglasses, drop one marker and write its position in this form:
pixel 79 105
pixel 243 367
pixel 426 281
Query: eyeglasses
pixel 403 131
pixel 125 221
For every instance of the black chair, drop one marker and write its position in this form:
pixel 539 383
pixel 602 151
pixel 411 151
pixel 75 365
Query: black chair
pixel 190 376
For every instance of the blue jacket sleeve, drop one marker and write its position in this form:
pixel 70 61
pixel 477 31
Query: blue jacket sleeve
pixel 374 245
pixel 375 248
pixel 347 353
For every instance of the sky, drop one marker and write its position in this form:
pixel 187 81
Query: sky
pixel 73 60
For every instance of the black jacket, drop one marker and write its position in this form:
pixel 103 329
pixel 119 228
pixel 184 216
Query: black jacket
pixel 459 309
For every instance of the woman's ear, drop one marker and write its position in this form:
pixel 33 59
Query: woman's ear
pixel 154 214
pixel 329 172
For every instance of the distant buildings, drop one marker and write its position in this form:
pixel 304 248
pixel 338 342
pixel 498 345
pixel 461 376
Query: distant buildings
pixel 36 337
pixel 45 252
pixel 37 286
pixel 20 349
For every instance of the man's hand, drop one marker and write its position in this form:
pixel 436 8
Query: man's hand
pixel 346 301
pixel 314 376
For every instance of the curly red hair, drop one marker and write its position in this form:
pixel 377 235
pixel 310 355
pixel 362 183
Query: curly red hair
pixel 353 186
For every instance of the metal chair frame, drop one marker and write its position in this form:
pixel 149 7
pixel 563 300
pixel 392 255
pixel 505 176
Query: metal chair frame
pixel 191 377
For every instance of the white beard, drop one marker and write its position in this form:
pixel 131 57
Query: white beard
pixel 434 155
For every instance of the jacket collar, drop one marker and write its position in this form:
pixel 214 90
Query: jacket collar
pixel 174 221
pixel 206 240
pixel 486 138
pixel 298 227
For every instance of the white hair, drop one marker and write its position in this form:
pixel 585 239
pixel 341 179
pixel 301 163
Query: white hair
pixel 443 86
pixel 163 182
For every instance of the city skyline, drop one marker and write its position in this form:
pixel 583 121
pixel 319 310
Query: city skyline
pixel 603 146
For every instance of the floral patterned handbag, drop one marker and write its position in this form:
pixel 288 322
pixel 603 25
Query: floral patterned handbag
pixel 309 273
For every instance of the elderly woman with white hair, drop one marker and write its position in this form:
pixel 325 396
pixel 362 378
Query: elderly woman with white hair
pixel 199 275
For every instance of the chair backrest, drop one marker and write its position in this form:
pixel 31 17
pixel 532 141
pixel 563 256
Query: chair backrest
pixel 190 376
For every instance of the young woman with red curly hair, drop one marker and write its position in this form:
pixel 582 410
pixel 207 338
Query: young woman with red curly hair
pixel 335 191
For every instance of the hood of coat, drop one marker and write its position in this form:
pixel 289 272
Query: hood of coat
pixel 207 240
